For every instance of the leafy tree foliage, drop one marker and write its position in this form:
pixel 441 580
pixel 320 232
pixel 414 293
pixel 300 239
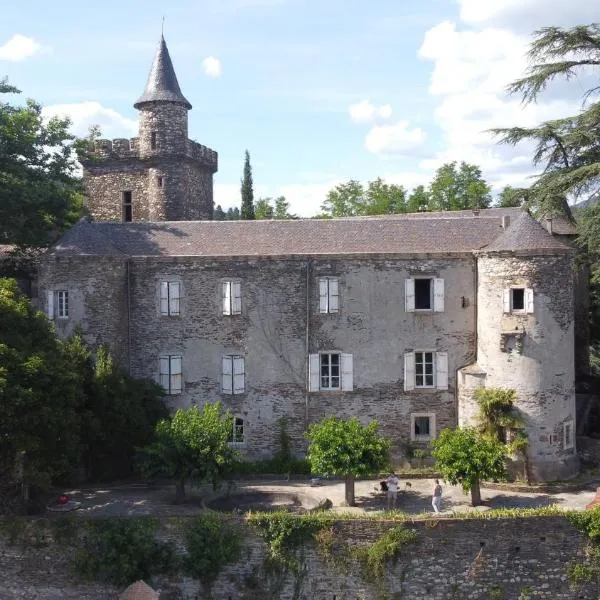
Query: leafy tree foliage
pixel 269 208
pixel 418 200
pixel 40 193
pixel 512 197
pixel 348 449
pixel 465 457
pixel 233 214
pixel 458 188
pixel 219 213
pixel 352 199
pixel 263 209
pixel 247 212
pixel 192 446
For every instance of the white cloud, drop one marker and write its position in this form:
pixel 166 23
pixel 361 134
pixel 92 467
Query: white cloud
pixel 394 139
pixel 365 112
pixel 84 114
pixel 19 47
pixel 211 66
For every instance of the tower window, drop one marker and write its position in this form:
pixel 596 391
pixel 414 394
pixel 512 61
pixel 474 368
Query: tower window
pixel 159 181
pixel 518 299
pixel 153 140
pixel 127 207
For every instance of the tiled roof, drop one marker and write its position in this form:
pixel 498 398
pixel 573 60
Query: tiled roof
pixel 139 591
pixel 162 82
pixel 429 233
pixel 525 233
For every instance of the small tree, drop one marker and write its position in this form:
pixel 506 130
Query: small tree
pixel 247 191
pixel 465 457
pixel 347 449
pixel 192 446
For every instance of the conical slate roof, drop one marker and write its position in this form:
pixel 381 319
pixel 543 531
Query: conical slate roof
pixel 525 233
pixel 162 85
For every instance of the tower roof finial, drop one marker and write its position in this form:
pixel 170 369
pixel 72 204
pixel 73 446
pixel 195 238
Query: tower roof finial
pixel 162 85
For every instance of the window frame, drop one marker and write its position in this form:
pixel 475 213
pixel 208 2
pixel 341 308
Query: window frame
pixel 238 423
pixel 61 304
pixel 171 373
pixel 432 426
pixel 231 297
pixel 170 298
pixel 232 360
pixel 330 388
pixel 424 374
pixel 508 300
pixel 329 301
pixel 568 425
pixel 127 206
pixel 436 295
pixel 431 299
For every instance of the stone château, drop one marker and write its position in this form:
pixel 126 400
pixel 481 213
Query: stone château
pixel 397 318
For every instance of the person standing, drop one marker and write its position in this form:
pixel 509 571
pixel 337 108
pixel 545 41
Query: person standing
pixel 436 499
pixel 392 493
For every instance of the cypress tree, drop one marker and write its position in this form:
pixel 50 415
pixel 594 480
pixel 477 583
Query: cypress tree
pixel 247 212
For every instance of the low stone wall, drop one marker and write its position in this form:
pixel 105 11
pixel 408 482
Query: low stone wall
pixel 513 558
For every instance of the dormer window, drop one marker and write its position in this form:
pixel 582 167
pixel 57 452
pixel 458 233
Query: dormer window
pixel 153 140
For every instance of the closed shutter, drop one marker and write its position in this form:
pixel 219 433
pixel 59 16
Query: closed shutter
pixel 438 295
pixel 226 297
pixel 236 298
pixel 227 375
pixel 174 296
pixel 347 373
pixel 529 300
pixel 409 295
pixel 164 373
pixel 409 371
pixel 238 375
pixel 441 369
pixel 506 301
pixel 323 295
pixel 313 373
pixel 50 296
pixel 164 298
pixel 334 300
pixel 176 376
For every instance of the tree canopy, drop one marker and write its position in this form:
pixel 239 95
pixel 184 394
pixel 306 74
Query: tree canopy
pixel 41 194
pixel 348 449
pixel 277 208
pixel 458 188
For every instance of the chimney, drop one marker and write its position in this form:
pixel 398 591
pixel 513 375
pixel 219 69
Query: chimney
pixel 475 212
pixel 505 221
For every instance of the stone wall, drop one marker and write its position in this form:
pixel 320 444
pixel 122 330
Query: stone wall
pixel 520 558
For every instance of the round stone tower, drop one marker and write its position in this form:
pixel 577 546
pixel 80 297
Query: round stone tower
pixel 525 341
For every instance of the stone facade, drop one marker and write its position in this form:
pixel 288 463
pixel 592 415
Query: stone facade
pixel 464 559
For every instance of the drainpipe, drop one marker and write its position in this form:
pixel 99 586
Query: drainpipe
pixel 128 284
pixel 306 342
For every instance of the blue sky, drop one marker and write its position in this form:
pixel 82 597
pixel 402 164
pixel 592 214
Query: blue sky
pixel 318 91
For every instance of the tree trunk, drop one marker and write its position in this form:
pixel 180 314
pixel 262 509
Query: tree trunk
pixel 475 494
pixel 350 501
pixel 180 491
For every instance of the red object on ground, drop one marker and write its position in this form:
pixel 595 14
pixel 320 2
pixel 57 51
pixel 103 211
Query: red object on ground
pixel 63 499
pixel 596 501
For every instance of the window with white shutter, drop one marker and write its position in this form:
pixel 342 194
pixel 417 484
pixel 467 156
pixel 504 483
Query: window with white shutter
pixel 424 294
pixel 438 295
pixel 517 300
pixel 441 370
pixel 313 373
pixel 409 371
pixel 347 373
pixel 170 375
pixel 57 304
pixel 50 305
pixel 424 369
pixel 529 300
pixel 329 299
pixel 232 297
pixel 409 295
pixel 330 371
pixel 170 295
pixel 233 376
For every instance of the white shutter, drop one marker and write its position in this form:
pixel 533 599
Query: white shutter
pixel 236 298
pixel 529 300
pixel 409 371
pixel 50 296
pixel 238 374
pixel 174 296
pixel 409 295
pixel 227 375
pixel 438 295
pixel 227 297
pixel 441 369
pixel 164 372
pixel 176 376
pixel 506 301
pixel 334 303
pixel 347 374
pixel 323 295
pixel 164 298
pixel 313 372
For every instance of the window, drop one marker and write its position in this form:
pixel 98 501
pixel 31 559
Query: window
pixel 329 300
pixel 232 298
pixel 169 298
pixel 568 439
pixel 330 371
pixel 170 374
pixel 422 427
pixel 153 140
pixel 58 304
pixel 233 375
pixel 425 369
pixel 237 434
pixel 127 207
pixel 518 300
pixel 159 181
pixel 424 294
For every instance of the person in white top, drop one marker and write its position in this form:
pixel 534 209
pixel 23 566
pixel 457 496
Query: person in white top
pixel 436 498
pixel 392 494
